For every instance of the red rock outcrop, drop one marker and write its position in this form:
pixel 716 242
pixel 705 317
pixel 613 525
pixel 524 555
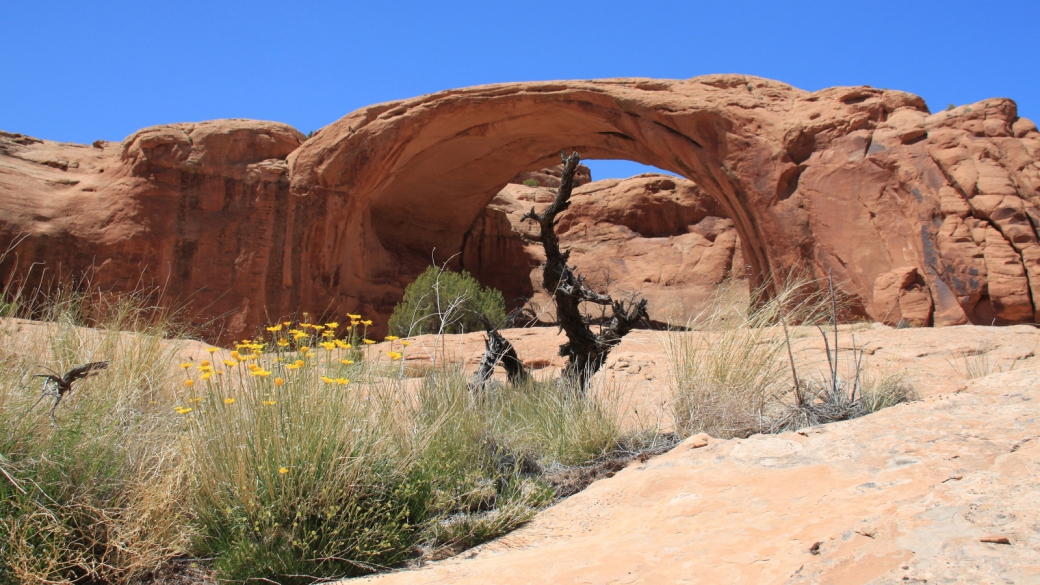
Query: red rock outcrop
pixel 654 235
pixel 853 181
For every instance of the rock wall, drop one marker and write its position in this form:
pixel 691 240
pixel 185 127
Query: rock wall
pixel 924 218
pixel 654 235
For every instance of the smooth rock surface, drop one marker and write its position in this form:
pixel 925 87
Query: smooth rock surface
pixel 921 492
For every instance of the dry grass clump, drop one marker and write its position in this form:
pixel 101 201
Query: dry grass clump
pixel 89 497
pixel 726 376
pixel 738 375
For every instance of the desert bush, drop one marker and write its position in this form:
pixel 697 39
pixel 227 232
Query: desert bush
pixel 306 473
pixel 442 301
pixel 532 183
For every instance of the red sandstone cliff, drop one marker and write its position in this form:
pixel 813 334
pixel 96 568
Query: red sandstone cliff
pixel 926 218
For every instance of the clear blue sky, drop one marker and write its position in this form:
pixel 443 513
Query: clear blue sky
pixel 79 71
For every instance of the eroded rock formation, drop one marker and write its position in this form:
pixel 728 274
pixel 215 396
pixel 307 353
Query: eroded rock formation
pixel 655 235
pixel 250 220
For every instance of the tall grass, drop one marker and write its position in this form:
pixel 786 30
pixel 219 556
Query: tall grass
pixel 726 375
pixel 737 375
pixel 276 461
pixel 88 497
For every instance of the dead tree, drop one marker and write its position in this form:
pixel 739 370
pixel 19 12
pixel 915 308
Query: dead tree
pixel 497 350
pixel 586 352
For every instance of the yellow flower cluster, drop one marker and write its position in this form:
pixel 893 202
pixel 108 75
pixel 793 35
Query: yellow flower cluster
pixel 283 337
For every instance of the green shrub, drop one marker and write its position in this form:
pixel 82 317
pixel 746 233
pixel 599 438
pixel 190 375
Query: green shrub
pixel 532 183
pixel 448 302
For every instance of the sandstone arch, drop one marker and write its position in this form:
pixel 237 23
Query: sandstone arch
pixel 929 218
pixel 853 180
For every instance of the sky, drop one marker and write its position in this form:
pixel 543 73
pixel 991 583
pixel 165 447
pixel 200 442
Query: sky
pixel 80 71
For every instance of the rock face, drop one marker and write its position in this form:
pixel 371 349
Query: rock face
pixel 659 236
pixel 197 209
pixel 249 220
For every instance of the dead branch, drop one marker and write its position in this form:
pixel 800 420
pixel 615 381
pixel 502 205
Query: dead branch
pixel 586 352
pixel 497 350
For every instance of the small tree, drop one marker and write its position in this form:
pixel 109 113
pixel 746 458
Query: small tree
pixel 442 301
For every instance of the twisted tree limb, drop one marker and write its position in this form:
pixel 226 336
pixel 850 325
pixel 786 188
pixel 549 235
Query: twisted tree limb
pixel 586 352
pixel 497 350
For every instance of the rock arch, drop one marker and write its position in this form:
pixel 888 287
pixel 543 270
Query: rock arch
pixel 852 180
pixel 926 218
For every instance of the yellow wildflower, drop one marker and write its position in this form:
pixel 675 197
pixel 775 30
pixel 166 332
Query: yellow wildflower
pixel 196 399
pixel 368 341
pixel 187 365
pixel 229 401
pixel 394 355
pixel 211 350
pixel 230 363
pixel 366 322
pixel 328 345
pixel 278 381
pixel 342 381
pixel 236 355
pixel 305 325
pixel 299 363
pixel 283 343
pixel 283 470
pixel 253 367
pixel 317 327
pixel 327 380
pixel 304 349
pixel 353 317
pixel 275 329
pixel 189 383
pixel 347 362
pixel 392 338
pixel 183 410
pixel 287 323
pixel 329 333
pixel 332 324
pixel 406 343
pixel 205 363
pixel 270 402
pixel 260 373
pixel 207 375
pixel 341 344
pixel 292 366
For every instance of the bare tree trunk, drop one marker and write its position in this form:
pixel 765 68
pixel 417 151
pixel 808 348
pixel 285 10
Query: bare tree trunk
pixel 497 350
pixel 586 352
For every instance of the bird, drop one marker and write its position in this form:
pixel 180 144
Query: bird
pixel 60 386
